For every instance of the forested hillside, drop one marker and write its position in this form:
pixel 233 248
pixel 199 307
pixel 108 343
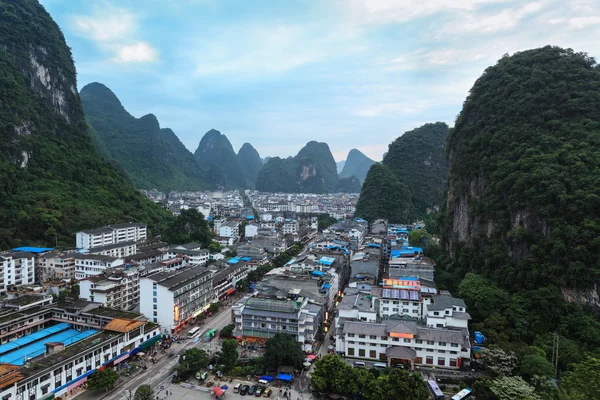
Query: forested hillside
pixel 313 170
pixel 53 182
pixel 251 163
pixel 215 148
pixel 522 212
pixel 151 157
pixel 417 159
pixel 357 164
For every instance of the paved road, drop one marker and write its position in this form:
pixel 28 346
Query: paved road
pixel 160 373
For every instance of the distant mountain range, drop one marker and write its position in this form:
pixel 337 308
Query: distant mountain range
pixel 356 164
pixel 154 158
pixel 340 165
pixel 149 156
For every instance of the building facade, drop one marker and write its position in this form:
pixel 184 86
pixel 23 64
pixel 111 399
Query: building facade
pixel 87 265
pixel 18 268
pixel 110 235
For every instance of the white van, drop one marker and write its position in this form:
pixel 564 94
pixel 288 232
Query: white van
pixel 380 365
pixel 358 364
pixel 236 388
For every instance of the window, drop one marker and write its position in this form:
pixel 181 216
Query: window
pixel 372 337
pixel 453 352
pixel 416 304
pixel 441 351
pixel 447 312
pixel 418 341
pixel 362 343
pixel 429 350
pixel 384 338
pixel 350 351
pixel 395 310
pixel 453 362
pixel 395 302
pixel 406 340
pixel 386 309
pixel 362 336
pixel 429 360
pixel 453 344
pixel 418 348
pixel 415 311
pixel 405 303
pixel 154 293
pixel 361 352
pixel 351 335
pixel 351 342
pixel 436 313
pixel 373 354
pixel 395 339
pixel 155 313
pixel 154 300
pixel 405 310
pixel 441 361
pixel 155 307
pixel 439 325
pixel 442 344
pixel 430 342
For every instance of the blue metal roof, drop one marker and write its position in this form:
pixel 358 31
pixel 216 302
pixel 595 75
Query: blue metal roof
pixel 246 258
pixel 250 217
pixel 326 260
pixel 234 260
pixel 326 286
pixel 33 249
pixel 317 273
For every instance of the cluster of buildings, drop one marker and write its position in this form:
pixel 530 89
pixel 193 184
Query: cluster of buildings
pixel 339 205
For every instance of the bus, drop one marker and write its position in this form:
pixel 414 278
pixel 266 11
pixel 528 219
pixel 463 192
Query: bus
pixel 193 331
pixel 435 390
pixel 210 335
pixel 462 395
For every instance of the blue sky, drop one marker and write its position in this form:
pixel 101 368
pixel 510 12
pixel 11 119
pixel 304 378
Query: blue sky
pixel 352 73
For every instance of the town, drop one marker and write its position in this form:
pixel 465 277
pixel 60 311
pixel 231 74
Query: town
pixel 292 264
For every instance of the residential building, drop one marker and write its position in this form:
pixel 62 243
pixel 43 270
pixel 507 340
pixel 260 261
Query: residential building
pixel 111 234
pixel 18 268
pixel 250 230
pixel 226 278
pixel 253 254
pixel 258 319
pixel 193 257
pixel 87 265
pixel 172 298
pixel 117 250
pixel 290 227
pixel 147 257
pixel 118 289
pixel 230 229
pixel 55 266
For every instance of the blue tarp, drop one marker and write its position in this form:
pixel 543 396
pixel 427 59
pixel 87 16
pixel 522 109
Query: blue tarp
pixel 326 260
pixel 374 245
pixel 284 377
pixel 246 258
pixel 267 378
pixel 317 273
pixel 33 249
pixel 234 260
pixel 250 217
pixel 326 286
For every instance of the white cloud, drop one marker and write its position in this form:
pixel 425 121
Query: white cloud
pixel 138 52
pixel 584 22
pixel 391 109
pixel 115 30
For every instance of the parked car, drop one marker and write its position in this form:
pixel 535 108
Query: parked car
pixel 358 364
pixel 252 390
pixel 267 393
pixel 244 389
pixel 259 391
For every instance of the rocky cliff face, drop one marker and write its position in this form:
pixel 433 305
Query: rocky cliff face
pixel 522 185
pixel 215 148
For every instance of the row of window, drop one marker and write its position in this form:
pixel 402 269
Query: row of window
pixel 404 303
pixel 417 341
pixel 441 361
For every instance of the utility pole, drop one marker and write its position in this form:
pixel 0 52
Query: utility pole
pixel 555 346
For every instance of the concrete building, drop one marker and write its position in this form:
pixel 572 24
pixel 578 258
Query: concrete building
pixel 171 299
pixel 290 227
pixel 257 254
pixel 111 234
pixel 250 230
pixel 117 250
pixel 230 229
pixel 117 289
pixel 55 266
pixel 18 268
pixel 193 257
pixel 87 265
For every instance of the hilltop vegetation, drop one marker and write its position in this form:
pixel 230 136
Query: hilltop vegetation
pixel 356 164
pixel 53 180
pixel 151 157
pixel 250 162
pixel 215 148
pixel 417 160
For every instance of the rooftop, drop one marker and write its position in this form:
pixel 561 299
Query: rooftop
pixel 173 280
pixel 109 312
pixel 111 246
pixel 445 302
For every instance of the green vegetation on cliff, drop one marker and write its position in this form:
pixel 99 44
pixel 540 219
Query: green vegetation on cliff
pixel 313 170
pixel 151 157
pixel 348 185
pixel 53 182
pixel 215 148
pixel 356 164
pixel 523 203
pixel 250 162
pixel 417 160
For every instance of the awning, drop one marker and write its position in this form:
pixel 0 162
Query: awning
pixel 284 377
pixel 317 273
pixel 231 290
pixel 267 378
pixel 311 356
pixel 72 384
pixel 400 352
pixel 149 342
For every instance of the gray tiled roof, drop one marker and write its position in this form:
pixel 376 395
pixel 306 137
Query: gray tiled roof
pixel 441 335
pixel 364 328
pixel 445 302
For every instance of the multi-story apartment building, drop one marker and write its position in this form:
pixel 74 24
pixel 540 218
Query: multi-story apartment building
pixel 111 234
pixel 230 229
pixel 16 268
pixel 193 257
pixel 225 280
pixel 59 348
pixel 117 250
pixel 87 265
pixel 172 298
pixel 118 289
pixel 290 227
pixel 250 230
pixel 258 319
pixel 55 266
pixel 257 254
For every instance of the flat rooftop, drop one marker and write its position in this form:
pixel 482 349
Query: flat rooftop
pixel 109 312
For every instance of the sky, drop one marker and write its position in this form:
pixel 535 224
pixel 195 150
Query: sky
pixel 277 74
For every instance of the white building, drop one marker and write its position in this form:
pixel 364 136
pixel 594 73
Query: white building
pixel 173 298
pixel 266 217
pixel 290 227
pixel 18 268
pixel 119 290
pixel 117 250
pixel 87 265
pixel 111 234
pixel 53 266
pixel 230 229
pixel 250 230
pixel 193 257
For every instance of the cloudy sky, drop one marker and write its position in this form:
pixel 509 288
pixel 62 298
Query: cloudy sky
pixel 352 73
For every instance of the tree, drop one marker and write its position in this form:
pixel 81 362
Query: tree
pixel 227 331
pixel 535 365
pixel 103 379
pixel 583 382
pixel 214 308
pixel 398 385
pixel 513 387
pixel 242 286
pixel 332 374
pixel 144 392
pixel 498 361
pixel 189 226
pixel 283 350
pixel 229 354
pixel 481 296
pixel 190 362
pixel 419 237
pixel 214 247
pixel 324 221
